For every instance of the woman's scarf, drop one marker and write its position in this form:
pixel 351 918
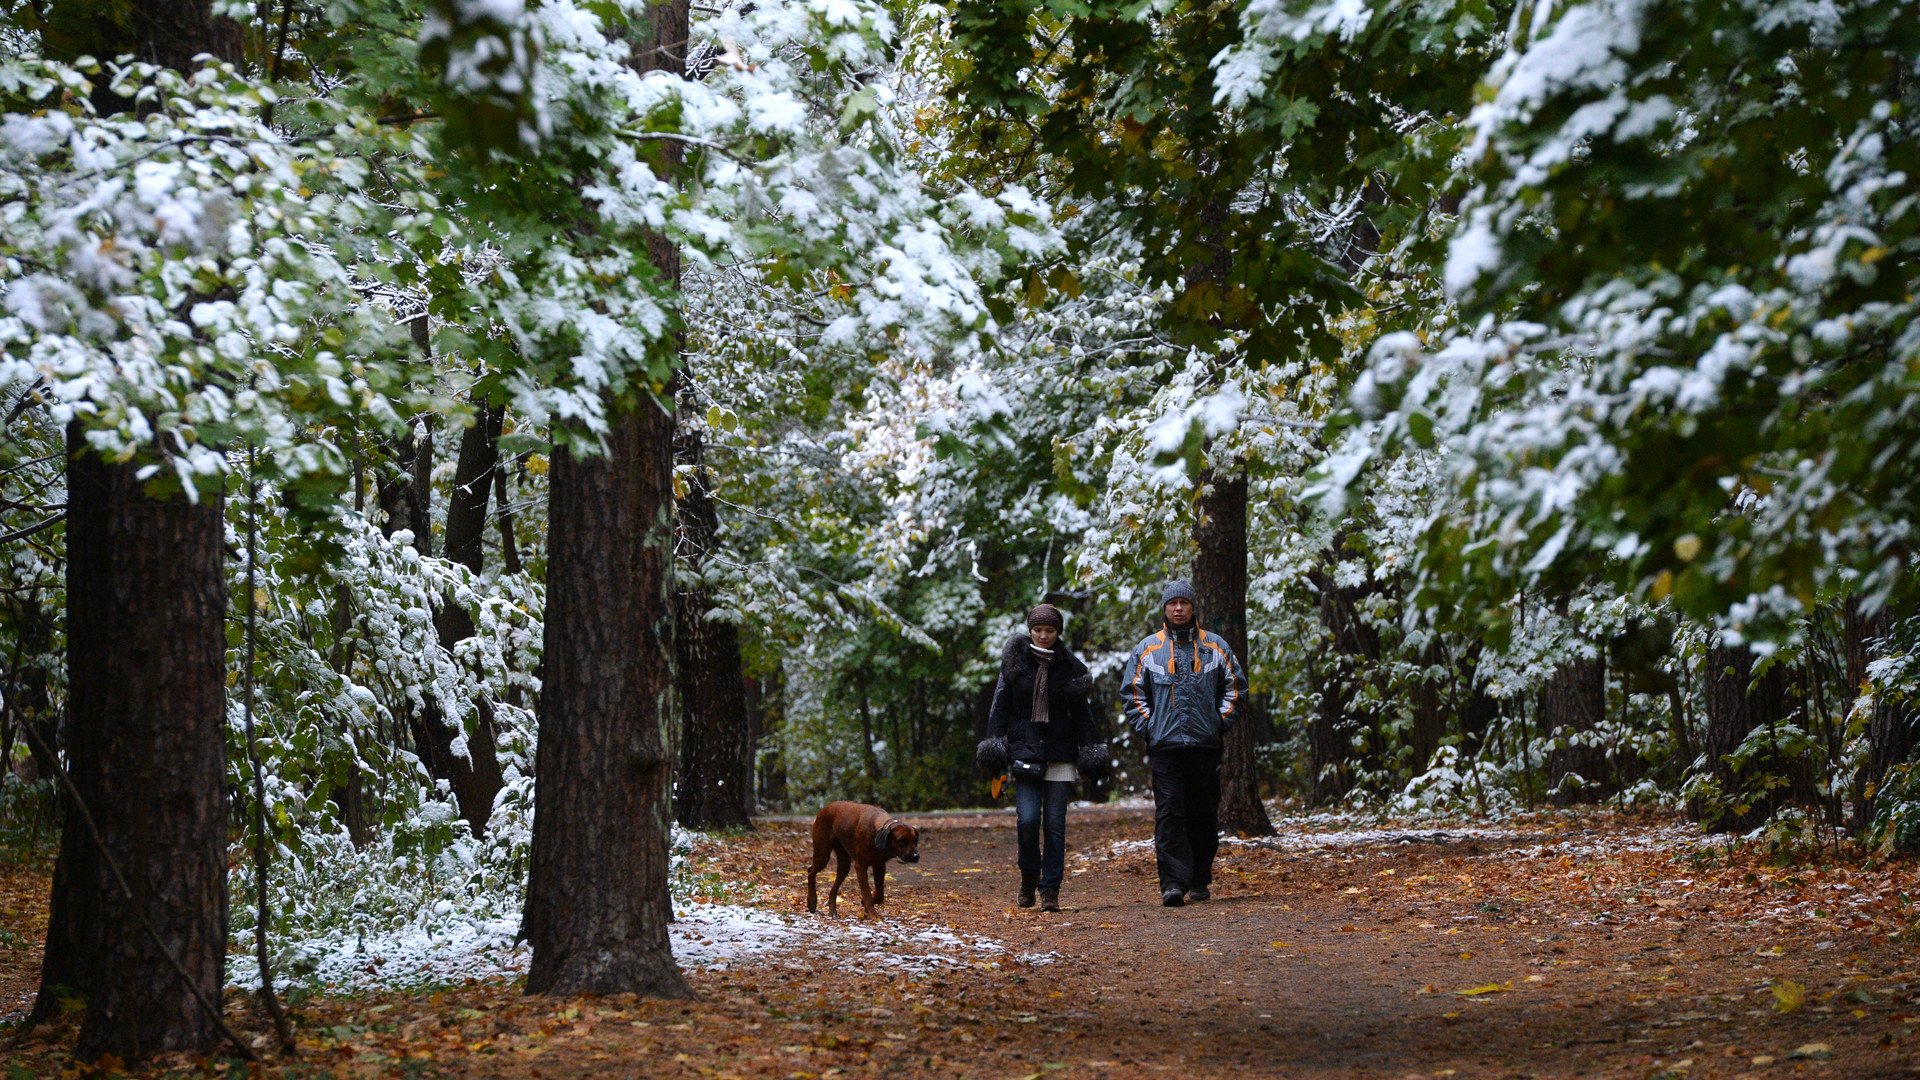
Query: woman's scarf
pixel 1042 665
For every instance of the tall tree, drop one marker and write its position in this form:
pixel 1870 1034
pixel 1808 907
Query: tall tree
pixel 597 908
pixel 1220 582
pixel 715 789
pixel 1572 706
pixel 146 655
pixel 1738 705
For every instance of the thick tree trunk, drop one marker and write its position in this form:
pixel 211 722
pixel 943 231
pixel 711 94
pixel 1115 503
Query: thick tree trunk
pixel 1572 707
pixel 1220 583
pixel 146 670
pixel 715 790
pixel 146 654
pixel 597 907
pixel 1736 707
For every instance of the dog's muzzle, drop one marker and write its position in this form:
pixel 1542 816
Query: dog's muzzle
pixel 915 857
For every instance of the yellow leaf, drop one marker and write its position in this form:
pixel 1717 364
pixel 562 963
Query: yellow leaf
pixel 1279 945
pixel 1788 996
pixel 1687 547
pixel 1486 988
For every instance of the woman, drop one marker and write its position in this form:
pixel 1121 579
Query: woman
pixel 1041 724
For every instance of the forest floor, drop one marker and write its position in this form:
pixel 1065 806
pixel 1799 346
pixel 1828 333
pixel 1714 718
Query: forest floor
pixel 1551 945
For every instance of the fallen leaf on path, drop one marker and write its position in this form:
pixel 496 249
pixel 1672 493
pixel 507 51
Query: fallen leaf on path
pixel 1486 988
pixel 1788 996
pixel 1812 1051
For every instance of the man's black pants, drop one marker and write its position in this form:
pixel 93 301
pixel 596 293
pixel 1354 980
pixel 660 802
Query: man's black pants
pixel 1186 816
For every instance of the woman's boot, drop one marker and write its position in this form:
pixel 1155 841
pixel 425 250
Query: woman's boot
pixel 1049 899
pixel 1027 883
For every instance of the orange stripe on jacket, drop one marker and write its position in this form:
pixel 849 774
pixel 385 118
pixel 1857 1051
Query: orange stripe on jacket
pixel 1233 693
pixel 1146 710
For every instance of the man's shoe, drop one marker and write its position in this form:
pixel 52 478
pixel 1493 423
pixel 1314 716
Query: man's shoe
pixel 1049 899
pixel 1199 894
pixel 1026 890
pixel 1172 898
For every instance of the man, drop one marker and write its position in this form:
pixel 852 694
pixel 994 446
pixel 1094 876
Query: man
pixel 1183 688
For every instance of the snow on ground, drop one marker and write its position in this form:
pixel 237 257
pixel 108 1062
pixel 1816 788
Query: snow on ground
pixel 704 936
pixel 1534 838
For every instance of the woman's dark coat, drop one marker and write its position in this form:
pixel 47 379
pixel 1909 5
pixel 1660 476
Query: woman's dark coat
pixel 1011 733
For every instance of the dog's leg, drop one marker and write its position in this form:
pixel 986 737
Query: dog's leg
pixel 879 883
pixel 813 872
pixel 841 862
pixel 866 890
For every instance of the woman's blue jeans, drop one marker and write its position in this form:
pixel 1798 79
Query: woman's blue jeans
pixel 1037 803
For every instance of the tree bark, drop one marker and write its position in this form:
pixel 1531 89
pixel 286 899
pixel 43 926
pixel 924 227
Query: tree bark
pixel 1336 679
pixel 597 907
pixel 146 655
pixel 406 495
pixel 509 547
pixel 715 790
pixel 1220 583
pixel 146 668
pixel 1890 727
pixel 1572 707
pixel 475 777
pixel 1736 707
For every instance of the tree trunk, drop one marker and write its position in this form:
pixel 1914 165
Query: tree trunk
pixel 406 495
pixel 716 749
pixel 1890 727
pixel 1336 679
pixel 1220 583
pixel 509 547
pixel 31 701
pixel 146 655
pixel 474 777
pixel 1572 707
pixel 1429 712
pixel 146 670
pixel 1736 707
pixel 866 742
pixel 597 907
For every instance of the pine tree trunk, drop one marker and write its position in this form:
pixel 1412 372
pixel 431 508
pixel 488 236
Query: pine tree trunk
pixel 597 907
pixel 1735 710
pixel 146 655
pixel 715 790
pixel 1572 707
pixel 146 705
pixel 1220 583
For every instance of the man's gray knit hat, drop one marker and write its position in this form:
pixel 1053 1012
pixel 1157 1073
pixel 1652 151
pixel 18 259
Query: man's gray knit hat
pixel 1178 590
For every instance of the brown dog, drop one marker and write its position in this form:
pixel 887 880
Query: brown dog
pixel 859 835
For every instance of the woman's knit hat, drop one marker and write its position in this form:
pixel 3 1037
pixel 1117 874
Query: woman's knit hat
pixel 1046 615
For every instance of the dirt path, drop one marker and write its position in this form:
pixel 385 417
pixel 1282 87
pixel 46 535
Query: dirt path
pixel 1359 961
pixel 1576 946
